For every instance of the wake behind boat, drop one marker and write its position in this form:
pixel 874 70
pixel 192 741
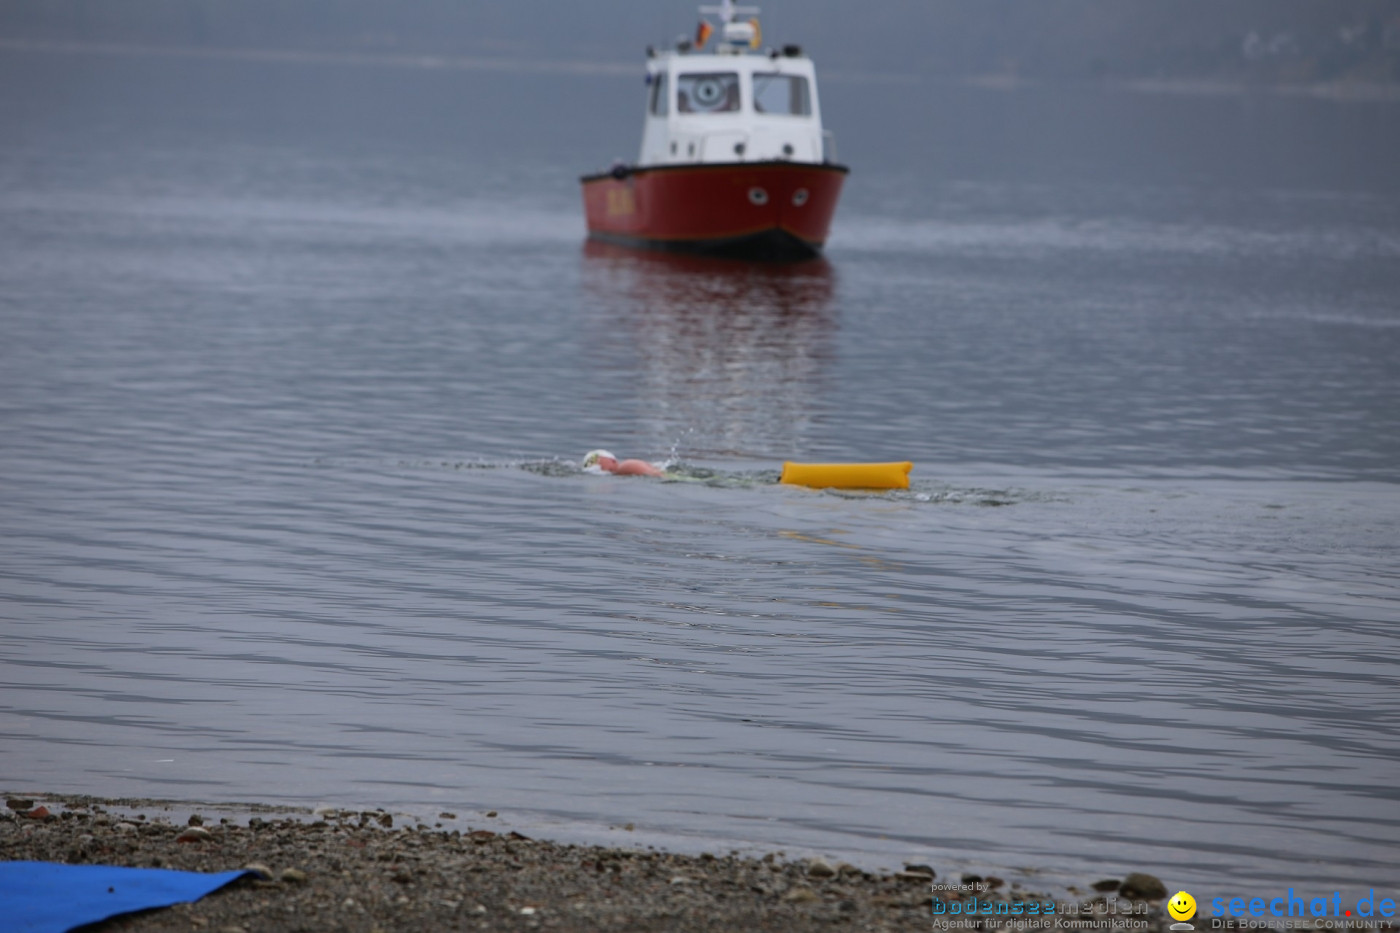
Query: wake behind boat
pixel 734 160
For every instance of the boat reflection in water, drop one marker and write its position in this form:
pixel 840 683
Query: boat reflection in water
pixel 731 355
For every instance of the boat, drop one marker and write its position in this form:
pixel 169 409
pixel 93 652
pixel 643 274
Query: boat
pixel 734 160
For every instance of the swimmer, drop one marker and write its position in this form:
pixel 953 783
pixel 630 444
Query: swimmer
pixel 601 461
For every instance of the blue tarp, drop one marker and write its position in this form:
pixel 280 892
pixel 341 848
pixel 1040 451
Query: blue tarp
pixel 43 897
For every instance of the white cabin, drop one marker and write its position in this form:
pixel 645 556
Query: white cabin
pixel 732 104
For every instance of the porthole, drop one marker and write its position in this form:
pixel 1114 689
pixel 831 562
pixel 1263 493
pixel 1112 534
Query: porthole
pixel 708 92
pixel 758 196
pixel 799 197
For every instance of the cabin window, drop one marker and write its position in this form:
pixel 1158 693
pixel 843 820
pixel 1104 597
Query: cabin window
pixel 660 101
pixel 782 94
pixel 716 92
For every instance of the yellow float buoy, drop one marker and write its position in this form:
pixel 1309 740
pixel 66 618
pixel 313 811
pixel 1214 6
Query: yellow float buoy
pixel 848 475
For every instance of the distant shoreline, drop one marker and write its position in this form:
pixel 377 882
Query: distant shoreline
pixel 424 61
pixel 1351 91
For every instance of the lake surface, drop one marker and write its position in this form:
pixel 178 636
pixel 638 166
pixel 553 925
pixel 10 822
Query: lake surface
pixel 297 362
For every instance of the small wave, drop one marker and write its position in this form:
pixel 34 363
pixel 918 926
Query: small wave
pixel 1046 238
pixel 681 472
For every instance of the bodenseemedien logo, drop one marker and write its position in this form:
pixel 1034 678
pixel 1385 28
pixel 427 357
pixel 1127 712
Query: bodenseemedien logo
pixel 1182 908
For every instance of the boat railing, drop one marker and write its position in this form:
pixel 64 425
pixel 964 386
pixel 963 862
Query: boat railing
pixel 828 146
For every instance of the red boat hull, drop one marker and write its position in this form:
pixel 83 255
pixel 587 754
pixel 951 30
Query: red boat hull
pixel 761 210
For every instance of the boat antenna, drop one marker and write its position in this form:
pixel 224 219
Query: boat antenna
pixel 728 12
pixel 737 34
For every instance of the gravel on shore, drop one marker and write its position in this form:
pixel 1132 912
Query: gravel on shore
pixel 355 871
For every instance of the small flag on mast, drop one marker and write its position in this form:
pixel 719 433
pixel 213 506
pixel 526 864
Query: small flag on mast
pixel 703 33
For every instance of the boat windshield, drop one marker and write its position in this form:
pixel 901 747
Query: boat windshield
pixel 781 94
pixel 712 92
pixel 660 103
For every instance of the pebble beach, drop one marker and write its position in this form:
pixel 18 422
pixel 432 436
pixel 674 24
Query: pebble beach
pixel 366 872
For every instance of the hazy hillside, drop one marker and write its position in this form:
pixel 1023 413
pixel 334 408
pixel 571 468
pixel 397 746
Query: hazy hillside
pixel 1292 41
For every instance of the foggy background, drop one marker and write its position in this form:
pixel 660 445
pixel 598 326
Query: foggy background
pixel 301 340
pixel 1278 41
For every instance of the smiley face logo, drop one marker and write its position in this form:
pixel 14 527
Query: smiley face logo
pixel 1182 906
